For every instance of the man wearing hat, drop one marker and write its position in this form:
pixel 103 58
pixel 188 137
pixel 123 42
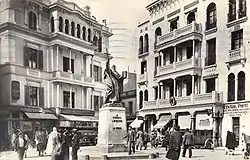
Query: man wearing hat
pixel 20 144
pixel 75 144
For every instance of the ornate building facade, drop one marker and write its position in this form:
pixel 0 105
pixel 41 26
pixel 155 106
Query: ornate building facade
pixel 193 67
pixel 51 56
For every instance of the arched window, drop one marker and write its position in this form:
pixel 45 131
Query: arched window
pixel 84 33
pixel 241 86
pixel 190 17
pixel 32 20
pixel 140 99
pixel 146 43
pixel 231 10
pixel 52 29
pixel 141 45
pixel 78 34
pixel 231 88
pixel 100 44
pixel 89 35
pixel 146 95
pixel 157 33
pixel 72 29
pixel 66 26
pixel 211 16
pixel 60 24
pixel 95 40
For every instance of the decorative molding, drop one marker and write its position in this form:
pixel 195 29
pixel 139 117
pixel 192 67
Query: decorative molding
pixel 191 4
pixel 158 20
pixel 236 22
pixel 173 13
pixel 211 31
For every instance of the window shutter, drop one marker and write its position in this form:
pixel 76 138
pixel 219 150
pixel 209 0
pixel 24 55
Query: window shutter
pixel 41 96
pixel 26 94
pixel 40 59
pixel 26 56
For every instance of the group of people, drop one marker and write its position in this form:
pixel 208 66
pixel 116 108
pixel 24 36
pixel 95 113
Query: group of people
pixel 56 144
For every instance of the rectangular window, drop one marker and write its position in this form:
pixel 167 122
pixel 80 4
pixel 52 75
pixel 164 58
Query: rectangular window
pixel 237 39
pixel 33 58
pixel 210 85
pixel 33 96
pixel 211 52
pixel 174 24
pixel 66 99
pixel 97 73
pixel 236 128
pixel 143 67
pixel 96 103
pixel 66 66
pixel 156 93
pixel 130 107
pixel 242 8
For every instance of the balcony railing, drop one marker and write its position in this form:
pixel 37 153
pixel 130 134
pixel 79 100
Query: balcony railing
pixel 143 77
pixel 231 17
pixel 198 99
pixel 193 27
pixel 71 76
pixel 211 25
pixel 236 54
pixel 210 60
pixel 179 66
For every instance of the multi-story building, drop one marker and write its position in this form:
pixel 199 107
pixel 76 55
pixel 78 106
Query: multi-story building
pixel 129 97
pixel 51 56
pixel 192 66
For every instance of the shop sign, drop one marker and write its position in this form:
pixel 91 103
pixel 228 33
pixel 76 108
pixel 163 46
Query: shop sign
pixel 203 122
pixel 80 124
pixel 15 90
pixel 236 109
pixel 117 122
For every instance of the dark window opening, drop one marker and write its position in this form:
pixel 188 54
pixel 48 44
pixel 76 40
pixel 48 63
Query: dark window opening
pixel 173 25
pixel 190 17
pixel 52 26
pixel 146 43
pixel 96 103
pixel 143 67
pixel 89 35
pixel 33 58
pixel 232 10
pixel 95 40
pixel 237 39
pixel 100 44
pixel 140 100
pixel 189 52
pixel 211 52
pixel 241 86
pixel 231 88
pixel 66 66
pixel 61 24
pixel 157 33
pixel 66 99
pixel 156 92
pixel 97 73
pixel 78 33
pixel 84 33
pixel 146 95
pixel 141 45
pixel 171 55
pixel 211 16
pixel 210 85
pixel 72 29
pixel 32 21
pixel 130 108
pixel 189 87
pixel 66 26
pixel 156 65
pixel 242 8
pixel 33 96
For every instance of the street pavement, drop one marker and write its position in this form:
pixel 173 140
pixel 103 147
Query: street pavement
pixel 198 154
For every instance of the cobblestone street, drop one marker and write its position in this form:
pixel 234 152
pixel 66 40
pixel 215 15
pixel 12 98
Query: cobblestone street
pixel 198 154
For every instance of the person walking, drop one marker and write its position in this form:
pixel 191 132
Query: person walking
pixel 13 138
pixel 57 153
pixel 66 144
pixel 130 140
pixel 230 142
pixel 139 140
pixel 175 141
pixel 27 144
pixel 20 144
pixel 75 144
pixel 188 142
pixel 51 143
pixel 146 139
pixel 166 139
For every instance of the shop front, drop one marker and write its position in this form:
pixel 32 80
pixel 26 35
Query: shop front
pixel 87 126
pixel 236 119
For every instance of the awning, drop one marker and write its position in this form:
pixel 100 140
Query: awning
pixel 41 116
pixel 136 123
pixel 77 118
pixel 164 119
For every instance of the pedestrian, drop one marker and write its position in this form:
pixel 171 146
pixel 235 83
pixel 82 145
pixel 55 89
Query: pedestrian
pixel 230 142
pixel 20 144
pixel 41 138
pixel 57 151
pixel 146 140
pixel 166 139
pixel 139 140
pixel 188 142
pixel 13 138
pixel 153 139
pixel 27 144
pixel 175 141
pixel 51 143
pixel 75 144
pixel 130 140
pixel 66 144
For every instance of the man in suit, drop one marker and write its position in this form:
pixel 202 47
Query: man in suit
pixel 175 141
pixel 75 144
pixel 188 142
pixel 130 140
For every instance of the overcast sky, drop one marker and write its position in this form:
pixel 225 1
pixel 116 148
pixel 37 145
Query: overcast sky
pixel 123 16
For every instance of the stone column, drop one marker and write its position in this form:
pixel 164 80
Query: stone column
pixel 193 48
pixel 88 64
pixel 52 95
pixel 215 129
pixel 57 58
pixel 70 96
pixel 174 54
pixel 174 87
pixel 193 85
pixel 83 98
pixel 57 95
pixel 192 121
pixel 236 87
pixel 70 57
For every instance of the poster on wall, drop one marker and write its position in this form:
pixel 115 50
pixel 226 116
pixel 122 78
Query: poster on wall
pixel 184 121
pixel 203 122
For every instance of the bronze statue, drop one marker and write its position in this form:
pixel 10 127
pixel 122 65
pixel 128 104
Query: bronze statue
pixel 114 82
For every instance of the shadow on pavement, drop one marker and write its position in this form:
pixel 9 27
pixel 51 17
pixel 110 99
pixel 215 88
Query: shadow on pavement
pixel 198 156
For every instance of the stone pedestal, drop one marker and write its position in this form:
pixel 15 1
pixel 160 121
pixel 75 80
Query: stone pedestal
pixel 112 128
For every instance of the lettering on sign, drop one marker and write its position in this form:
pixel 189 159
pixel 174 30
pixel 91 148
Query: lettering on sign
pixel 236 109
pixel 204 122
pixel 117 122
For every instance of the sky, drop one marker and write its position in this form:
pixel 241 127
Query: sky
pixel 122 16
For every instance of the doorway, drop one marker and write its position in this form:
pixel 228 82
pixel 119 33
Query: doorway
pixel 236 128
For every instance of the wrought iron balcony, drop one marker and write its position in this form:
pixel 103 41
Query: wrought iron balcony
pixel 143 78
pixel 236 55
